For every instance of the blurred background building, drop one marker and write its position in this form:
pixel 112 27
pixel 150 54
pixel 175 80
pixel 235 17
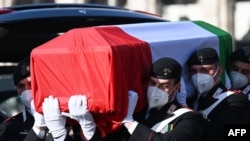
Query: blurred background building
pixel 231 15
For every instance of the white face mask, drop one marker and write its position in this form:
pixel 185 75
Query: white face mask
pixel 203 82
pixel 156 97
pixel 26 98
pixel 238 80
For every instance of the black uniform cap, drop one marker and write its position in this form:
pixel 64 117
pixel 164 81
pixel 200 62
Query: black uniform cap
pixel 166 68
pixel 241 54
pixel 22 70
pixel 203 56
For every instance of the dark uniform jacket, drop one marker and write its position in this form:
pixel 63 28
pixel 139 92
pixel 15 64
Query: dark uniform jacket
pixel 33 137
pixel 233 110
pixel 17 127
pixel 190 126
pixel 245 90
pixel 75 137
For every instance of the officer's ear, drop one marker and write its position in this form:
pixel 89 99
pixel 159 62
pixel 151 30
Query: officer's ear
pixel 177 87
pixel 220 70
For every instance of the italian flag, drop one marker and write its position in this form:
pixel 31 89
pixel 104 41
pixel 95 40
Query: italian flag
pixel 105 62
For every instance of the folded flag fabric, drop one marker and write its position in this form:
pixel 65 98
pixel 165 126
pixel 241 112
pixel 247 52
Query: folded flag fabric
pixel 105 62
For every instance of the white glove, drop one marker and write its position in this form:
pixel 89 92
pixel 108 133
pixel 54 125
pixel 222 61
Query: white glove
pixel 39 119
pixel 53 118
pixel 39 123
pixel 132 101
pixel 78 110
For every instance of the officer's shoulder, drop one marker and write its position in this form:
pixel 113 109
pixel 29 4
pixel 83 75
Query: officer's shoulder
pixel 12 118
pixel 236 93
pixel 191 112
pixel 195 115
pixel 237 96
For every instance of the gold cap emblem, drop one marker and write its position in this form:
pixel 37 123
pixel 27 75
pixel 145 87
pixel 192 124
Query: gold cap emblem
pixel 166 71
pixel 201 58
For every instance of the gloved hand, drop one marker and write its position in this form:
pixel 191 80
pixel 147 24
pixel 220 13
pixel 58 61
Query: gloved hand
pixel 39 125
pixel 53 118
pixel 78 110
pixel 132 101
pixel 39 119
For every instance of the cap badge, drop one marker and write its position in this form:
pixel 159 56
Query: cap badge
pixel 166 71
pixel 201 58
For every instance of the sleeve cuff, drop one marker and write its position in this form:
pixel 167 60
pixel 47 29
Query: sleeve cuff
pixel 39 133
pixel 132 127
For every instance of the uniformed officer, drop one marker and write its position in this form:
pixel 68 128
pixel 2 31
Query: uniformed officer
pixel 213 99
pixel 16 128
pixel 164 119
pixel 28 122
pixel 239 70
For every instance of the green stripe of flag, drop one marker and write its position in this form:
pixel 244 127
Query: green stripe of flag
pixel 225 43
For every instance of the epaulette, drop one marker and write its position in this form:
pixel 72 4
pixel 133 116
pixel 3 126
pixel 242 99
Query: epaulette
pixel 236 91
pixel 184 106
pixel 10 118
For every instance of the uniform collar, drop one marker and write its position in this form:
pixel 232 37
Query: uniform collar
pixel 246 90
pixel 215 89
pixel 208 99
